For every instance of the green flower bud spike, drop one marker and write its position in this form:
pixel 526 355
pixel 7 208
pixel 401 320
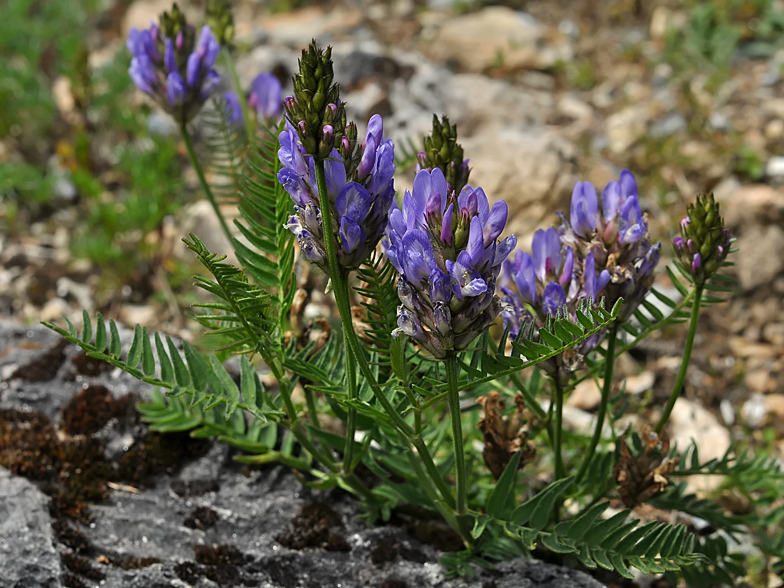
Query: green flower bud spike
pixel 221 21
pixel 442 151
pixel 315 110
pixel 704 243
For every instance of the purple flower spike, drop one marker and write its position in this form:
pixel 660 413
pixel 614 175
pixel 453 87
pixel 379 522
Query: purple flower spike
pixel 180 91
pixel 362 203
pixel 265 96
pixel 445 245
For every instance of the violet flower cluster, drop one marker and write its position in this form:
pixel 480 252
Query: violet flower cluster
pixel 615 231
pixel 445 247
pixel 360 195
pixel 265 100
pixel 602 251
pixel 173 67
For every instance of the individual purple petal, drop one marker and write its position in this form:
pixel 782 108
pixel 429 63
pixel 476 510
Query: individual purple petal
pixel 584 211
pixel 192 68
pixel 419 260
pixel 134 42
pixel 554 297
pixel 628 184
pixel 290 154
pixel 336 173
pixel 696 263
pixel 385 166
pixel 295 186
pixel 175 89
pixel 678 242
pixel 351 235
pixel 467 281
pixel 425 183
pixel 265 95
pixel 630 222
pixel 568 266
pixel 503 249
pixel 353 202
pixel 446 225
pixel 375 130
pixel 546 252
pixel 440 286
pixel 475 247
pixel 495 223
pixel 368 160
pixel 169 60
pixel 143 74
pixel 525 278
pixel 611 200
pixel 207 47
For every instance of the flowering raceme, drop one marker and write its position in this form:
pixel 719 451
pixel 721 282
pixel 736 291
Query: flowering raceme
pixel 173 67
pixel 614 231
pixel 445 247
pixel 549 280
pixel 361 195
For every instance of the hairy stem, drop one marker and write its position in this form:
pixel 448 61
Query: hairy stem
pixel 609 366
pixel 452 377
pixel 676 388
pixel 351 420
pixel 558 430
pixel 202 180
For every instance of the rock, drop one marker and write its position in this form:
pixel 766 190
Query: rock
pixel 497 37
pixel 141 12
pixel 775 166
pixel 672 123
pixel 691 422
pixel 774 403
pixel 640 383
pixel 625 127
pixel 774 333
pixel 760 260
pixel 586 395
pixel 760 381
pixel 297 28
pixel 753 204
pixel 754 411
pixel 26 540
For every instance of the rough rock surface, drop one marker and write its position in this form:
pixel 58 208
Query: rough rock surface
pixel 208 523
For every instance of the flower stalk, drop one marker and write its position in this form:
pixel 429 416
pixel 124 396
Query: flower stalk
pixel 609 367
pixel 452 377
pixel 203 181
pixel 681 377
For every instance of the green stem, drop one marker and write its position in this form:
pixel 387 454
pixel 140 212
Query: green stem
pixel 609 366
pixel 351 420
pixel 204 185
pixel 452 378
pixel 250 122
pixel 676 389
pixel 558 431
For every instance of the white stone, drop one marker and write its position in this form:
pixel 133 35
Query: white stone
pixel 625 127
